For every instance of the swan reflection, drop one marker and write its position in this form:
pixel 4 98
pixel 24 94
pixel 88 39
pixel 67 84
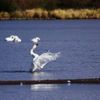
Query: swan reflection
pixel 41 75
pixel 42 87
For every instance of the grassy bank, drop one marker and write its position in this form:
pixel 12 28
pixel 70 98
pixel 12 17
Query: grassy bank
pixel 52 14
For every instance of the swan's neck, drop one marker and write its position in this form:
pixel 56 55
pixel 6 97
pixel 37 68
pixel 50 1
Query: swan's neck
pixel 31 51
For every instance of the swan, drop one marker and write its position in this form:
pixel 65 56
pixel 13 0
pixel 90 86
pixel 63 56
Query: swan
pixel 39 61
pixel 13 38
pixel 17 39
pixel 36 40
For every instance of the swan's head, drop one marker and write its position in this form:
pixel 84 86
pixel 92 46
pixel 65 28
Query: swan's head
pixel 12 36
pixel 36 40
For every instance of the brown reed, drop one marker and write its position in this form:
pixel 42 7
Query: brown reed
pixel 52 14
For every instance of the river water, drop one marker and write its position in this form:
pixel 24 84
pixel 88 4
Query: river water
pixel 79 44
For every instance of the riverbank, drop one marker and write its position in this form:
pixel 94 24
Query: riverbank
pixel 32 14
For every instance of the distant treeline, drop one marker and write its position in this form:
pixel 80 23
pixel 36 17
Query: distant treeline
pixel 12 5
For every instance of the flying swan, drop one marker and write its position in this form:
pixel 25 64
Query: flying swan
pixel 39 61
pixel 13 38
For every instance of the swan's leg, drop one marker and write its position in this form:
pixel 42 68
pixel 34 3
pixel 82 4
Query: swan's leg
pixel 33 69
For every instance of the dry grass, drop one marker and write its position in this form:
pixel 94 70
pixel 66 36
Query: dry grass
pixel 29 13
pixel 45 14
pixel 53 14
pixel 4 15
pixel 75 14
pixel 17 14
pixel 57 13
pixel 36 13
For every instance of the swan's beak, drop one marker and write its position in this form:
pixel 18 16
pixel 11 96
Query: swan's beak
pixel 36 40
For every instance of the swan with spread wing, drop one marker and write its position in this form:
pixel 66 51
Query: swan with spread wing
pixel 39 61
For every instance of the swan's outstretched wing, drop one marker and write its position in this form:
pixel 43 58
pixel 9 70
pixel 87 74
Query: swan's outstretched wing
pixel 44 58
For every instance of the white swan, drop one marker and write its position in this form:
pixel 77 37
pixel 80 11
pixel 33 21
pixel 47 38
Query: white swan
pixel 40 61
pixel 17 39
pixel 36 40
pixel 13 38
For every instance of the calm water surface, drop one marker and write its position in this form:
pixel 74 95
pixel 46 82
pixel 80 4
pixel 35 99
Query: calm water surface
pixel 79 44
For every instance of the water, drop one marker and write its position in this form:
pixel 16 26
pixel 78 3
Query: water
pixel 79 44
pixel 59 92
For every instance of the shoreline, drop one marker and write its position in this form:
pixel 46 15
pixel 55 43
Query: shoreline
pixel 40 14
pixel 18 19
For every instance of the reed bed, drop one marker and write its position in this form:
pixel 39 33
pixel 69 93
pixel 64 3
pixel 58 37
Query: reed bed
pixel 4 15
pixel 52 14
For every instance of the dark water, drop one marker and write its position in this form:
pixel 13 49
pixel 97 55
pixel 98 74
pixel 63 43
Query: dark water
pixel 79 44
pixel 50 92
